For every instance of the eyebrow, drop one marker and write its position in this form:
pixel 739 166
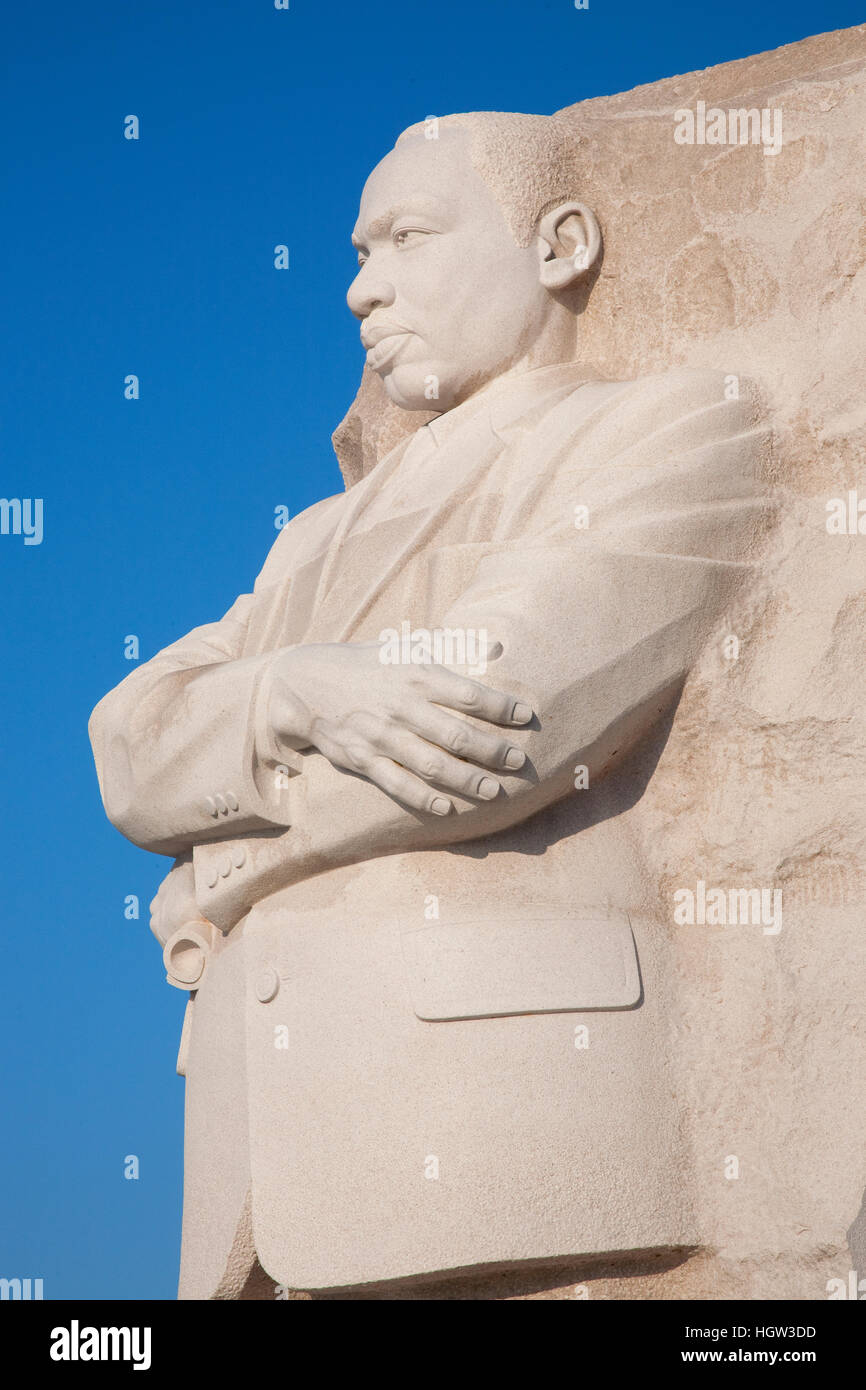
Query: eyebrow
pixel 380 226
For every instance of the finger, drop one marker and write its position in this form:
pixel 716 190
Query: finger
pixel 470 697
pixel 350 750
pixel 464 740
pixel 405 787
pixel 487 651
pixel 358 755
pixel 435 765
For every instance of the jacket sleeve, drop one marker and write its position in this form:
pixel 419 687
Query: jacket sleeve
pixel 599 622
pixel 182 748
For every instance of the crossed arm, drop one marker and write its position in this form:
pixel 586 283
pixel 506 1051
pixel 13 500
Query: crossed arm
pixel 591 634
pixel 437 757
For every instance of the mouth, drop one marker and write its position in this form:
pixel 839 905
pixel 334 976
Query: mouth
pixel 385 349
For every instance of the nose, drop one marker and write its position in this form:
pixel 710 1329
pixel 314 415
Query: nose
pixel 368 291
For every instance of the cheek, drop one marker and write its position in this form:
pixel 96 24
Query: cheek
pixel 472 285
pixel 486 300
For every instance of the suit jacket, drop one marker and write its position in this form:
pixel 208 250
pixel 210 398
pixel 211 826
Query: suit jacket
pixel 424 1044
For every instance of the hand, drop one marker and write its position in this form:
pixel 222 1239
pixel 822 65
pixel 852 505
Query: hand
pixel 387 722
pixel 175 904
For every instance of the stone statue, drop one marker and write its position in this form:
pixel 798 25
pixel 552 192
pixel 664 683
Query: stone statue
pixel 434 1015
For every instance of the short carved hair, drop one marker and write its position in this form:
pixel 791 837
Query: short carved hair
pixel 529 163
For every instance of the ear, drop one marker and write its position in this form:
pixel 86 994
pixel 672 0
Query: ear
pixel 569 242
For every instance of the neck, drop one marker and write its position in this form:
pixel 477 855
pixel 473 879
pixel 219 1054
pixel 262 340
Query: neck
pixel 555 345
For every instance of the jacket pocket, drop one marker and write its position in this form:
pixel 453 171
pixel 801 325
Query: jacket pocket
pixel 487 967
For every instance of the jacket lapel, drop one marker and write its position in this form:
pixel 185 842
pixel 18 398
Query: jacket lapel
pixel 428 491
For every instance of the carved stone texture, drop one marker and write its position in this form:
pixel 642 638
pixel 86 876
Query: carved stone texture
pixel 556 978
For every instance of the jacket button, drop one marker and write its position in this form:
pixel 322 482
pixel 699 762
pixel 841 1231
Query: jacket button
pixel 267 984
pixel 221 805
pixel 226 865
pixel 232 801
pixel 210 806
pixel 239 856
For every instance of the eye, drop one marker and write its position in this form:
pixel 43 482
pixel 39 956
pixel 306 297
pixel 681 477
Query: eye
pixel 403 236
pixel 362 258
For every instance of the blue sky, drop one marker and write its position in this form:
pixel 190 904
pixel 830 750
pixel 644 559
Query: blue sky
pixel 155 257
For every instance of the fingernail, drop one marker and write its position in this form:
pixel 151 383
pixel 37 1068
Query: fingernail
pixel 488 787
pixel 439 806
pixel 521 714
pixel 515 757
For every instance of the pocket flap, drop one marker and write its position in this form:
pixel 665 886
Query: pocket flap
pixel 486 967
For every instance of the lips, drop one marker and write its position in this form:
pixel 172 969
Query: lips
pixel 383 342
pixel 385 350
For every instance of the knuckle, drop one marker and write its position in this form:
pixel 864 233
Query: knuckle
pixel 356 754
pixel 374 735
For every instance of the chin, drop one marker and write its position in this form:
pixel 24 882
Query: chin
pixel 409 385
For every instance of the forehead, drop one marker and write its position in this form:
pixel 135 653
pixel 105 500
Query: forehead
pixel 433 176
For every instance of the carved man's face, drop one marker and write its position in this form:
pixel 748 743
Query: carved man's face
pixel 447 298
